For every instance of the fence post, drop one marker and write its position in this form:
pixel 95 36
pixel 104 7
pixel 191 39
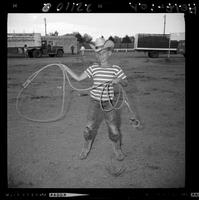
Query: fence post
pixel 169 45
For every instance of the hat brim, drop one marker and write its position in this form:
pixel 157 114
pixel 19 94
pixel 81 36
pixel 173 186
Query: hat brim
pixel 107 44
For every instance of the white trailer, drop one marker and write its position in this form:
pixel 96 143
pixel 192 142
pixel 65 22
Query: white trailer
pixel 20 39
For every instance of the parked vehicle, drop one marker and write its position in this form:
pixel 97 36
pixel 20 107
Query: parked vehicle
pixel 45 49
pixel 33 45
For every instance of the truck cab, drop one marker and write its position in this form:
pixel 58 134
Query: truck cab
pixel 50 49
pixel 46 48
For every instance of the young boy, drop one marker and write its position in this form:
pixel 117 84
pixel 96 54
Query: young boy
pixel 101 73
pixel 82 49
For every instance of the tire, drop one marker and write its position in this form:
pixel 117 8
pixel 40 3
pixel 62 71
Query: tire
pixel 60 53
pixel 153 54
pixel 30 54
pixel 36 54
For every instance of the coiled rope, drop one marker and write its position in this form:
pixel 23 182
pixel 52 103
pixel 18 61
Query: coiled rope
pixel 105 85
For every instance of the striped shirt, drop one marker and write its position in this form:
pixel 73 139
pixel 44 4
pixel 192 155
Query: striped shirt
pixel 101 75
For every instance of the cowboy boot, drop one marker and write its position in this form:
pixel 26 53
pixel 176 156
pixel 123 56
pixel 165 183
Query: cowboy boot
pixel 118 151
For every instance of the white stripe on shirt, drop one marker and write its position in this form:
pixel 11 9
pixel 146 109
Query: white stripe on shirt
pixel 101 75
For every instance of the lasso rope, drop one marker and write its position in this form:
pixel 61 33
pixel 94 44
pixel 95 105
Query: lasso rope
pixel 105 85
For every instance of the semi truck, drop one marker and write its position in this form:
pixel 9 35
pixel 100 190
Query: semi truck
pixel 36 45
pixel 154 44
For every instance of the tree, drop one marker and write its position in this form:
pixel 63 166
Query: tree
pixel 79 37
pixel 132 39
pixel 111 38
pixel 87 38
pixel 126 39
pixel 54 34
pixel 117 39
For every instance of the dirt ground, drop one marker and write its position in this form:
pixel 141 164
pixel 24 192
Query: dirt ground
pixel 45 155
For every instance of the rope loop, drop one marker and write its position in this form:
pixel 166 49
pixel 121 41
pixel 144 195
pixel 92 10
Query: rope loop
pixel 106 86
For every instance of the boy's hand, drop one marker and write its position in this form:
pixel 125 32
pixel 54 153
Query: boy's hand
pixel 115 81
pixel 123 82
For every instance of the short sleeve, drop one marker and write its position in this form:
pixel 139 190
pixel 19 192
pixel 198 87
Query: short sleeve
pixel 89 72
pixel 120 74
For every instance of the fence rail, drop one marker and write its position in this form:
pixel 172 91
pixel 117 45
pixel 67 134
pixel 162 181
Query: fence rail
pixel 116 50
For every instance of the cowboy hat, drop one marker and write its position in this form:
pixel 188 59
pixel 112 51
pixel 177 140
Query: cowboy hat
pixel 101 44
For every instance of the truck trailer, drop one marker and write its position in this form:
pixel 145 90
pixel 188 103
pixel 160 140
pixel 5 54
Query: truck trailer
pixel 35 43
pixel 154 44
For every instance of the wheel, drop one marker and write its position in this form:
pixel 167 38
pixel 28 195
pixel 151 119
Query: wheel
pixel 60 53
pixel 36 54
pixel 153 54
pixel 30 54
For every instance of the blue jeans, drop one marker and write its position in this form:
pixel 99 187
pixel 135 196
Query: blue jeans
pixel 95 117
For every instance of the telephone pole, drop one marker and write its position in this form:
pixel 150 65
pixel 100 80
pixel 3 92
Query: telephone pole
pixel 164 24
pixel 45 26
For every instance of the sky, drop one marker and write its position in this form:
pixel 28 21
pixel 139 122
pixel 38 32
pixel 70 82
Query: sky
pixel 96 25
